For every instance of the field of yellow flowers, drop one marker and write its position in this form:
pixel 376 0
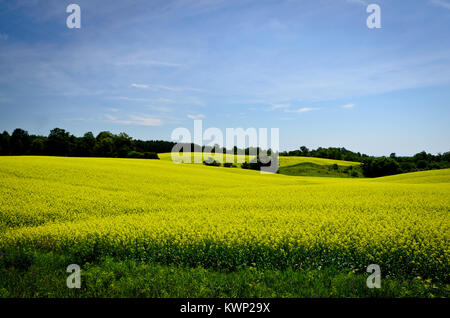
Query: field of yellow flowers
pixel 157 211
pixel 283 161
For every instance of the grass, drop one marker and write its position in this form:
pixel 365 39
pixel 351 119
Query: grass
pixel 45 277
pixel 130 216
pixel 316 170
pixel 292 161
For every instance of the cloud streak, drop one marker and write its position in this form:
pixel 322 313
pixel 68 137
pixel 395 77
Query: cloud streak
pixel 166 88
pixel 139 85
pixel 198 116
pixel 135 120
pixel 302 110
pixel 147 63
pixel 441 3
pixel 360 2
pixel 279 106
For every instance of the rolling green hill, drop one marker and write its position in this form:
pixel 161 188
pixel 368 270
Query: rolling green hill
pixel 421 177
pixel 295 166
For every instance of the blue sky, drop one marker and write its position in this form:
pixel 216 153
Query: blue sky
pixel 309 67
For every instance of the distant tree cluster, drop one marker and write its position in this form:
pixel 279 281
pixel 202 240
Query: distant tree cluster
pixel 328 153
pixel 259 162
pixel 211 162
pixel 61 143
pixel 245 151
pixel 384 166
pixel 106 144
pixel 378 166
pixel 254 164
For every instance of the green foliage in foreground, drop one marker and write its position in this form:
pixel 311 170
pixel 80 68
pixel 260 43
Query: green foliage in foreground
pixel 44 275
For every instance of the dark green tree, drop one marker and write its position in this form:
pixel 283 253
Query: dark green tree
pixel 304 151
pixel 122 145
pixel 379 167
pixel 20 142
pixel 86 145
pixel 58 142
pixel 37 146
pixel 4 144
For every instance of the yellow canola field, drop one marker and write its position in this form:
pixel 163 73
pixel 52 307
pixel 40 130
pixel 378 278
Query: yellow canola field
pixel 157 210
pixel 283 160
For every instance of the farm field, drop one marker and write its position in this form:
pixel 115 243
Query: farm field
pixel 154 228
pixel 283 160
pixel 292 166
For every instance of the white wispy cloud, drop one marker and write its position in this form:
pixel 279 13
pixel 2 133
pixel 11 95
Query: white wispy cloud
pixel 167 88
pixel 139 85
pixel 163 109
pixel 112 109
pixel 135 120
pixel 199 116
pixel 131 99
pixel 302 110
pixel 361 2
pixel 177 89
pixel 348 106
pixel 441 3
pixel 161 100
pixel 147 63
pixel 279 106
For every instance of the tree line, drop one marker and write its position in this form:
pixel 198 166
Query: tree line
pixel 328 153
pixel 60 142
pixel 373 167
pixel 378 166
